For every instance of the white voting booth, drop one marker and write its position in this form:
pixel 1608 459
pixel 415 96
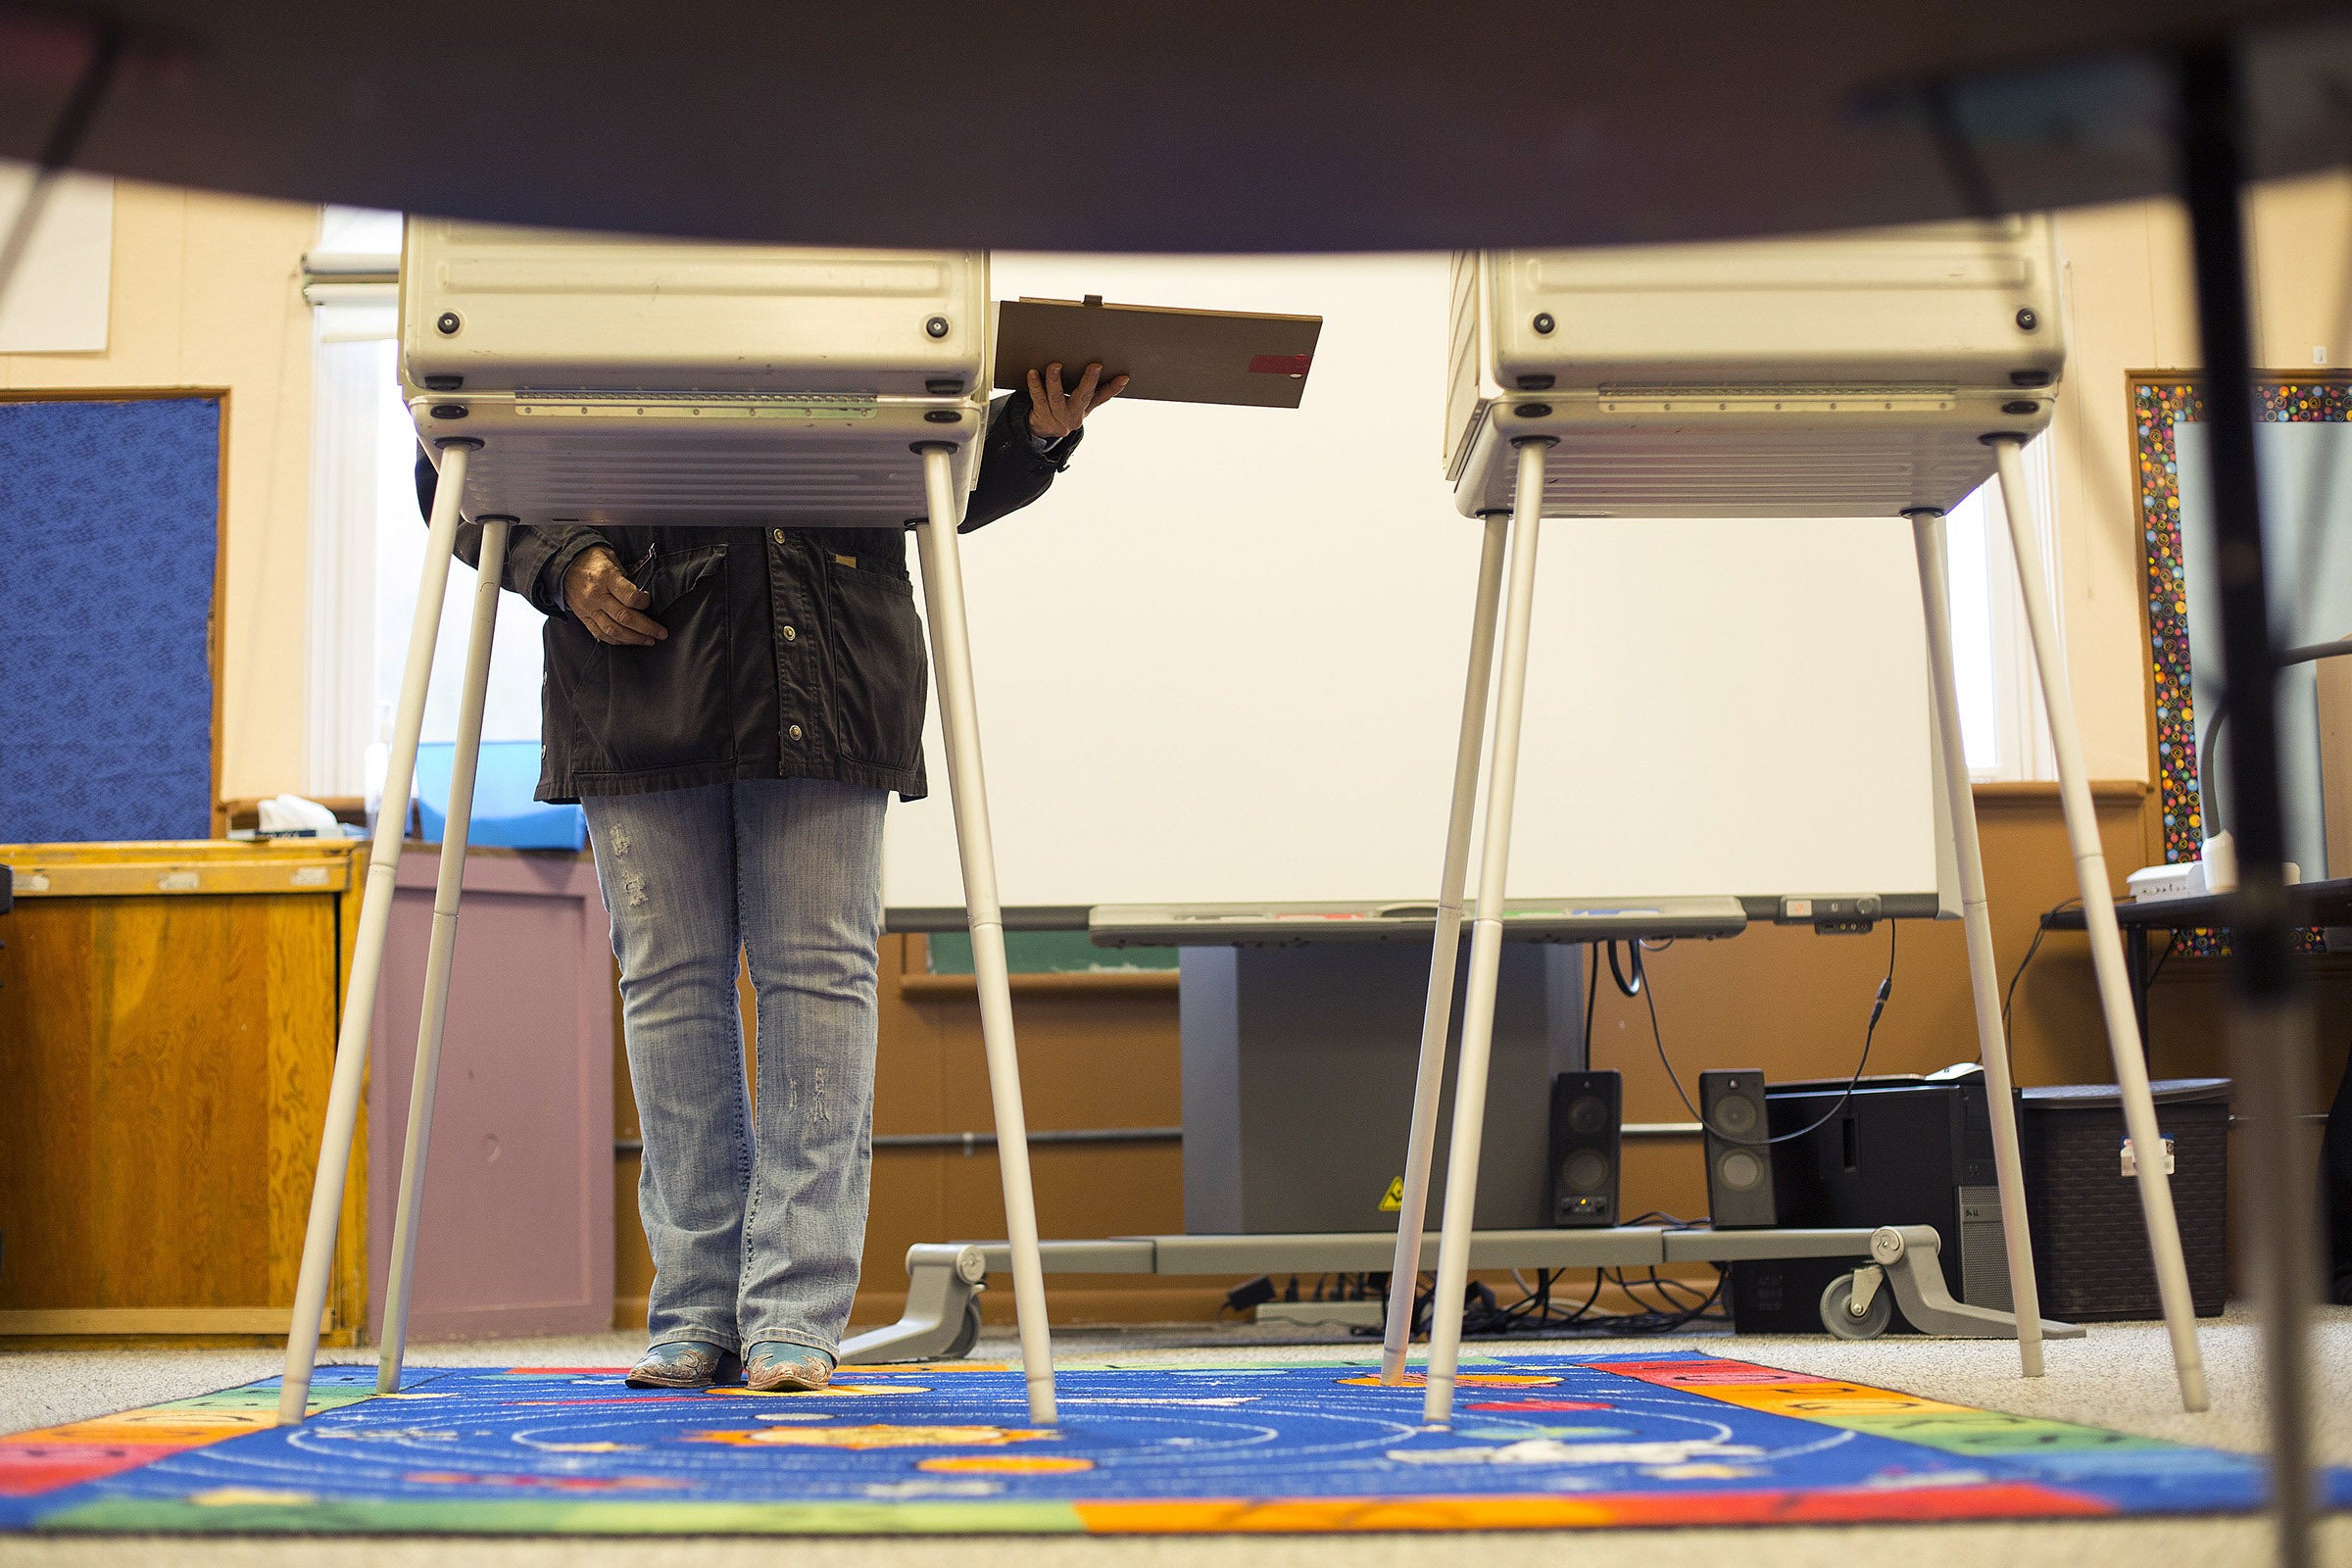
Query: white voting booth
pixel 1869 374
pixel 597 379
pixel 604 378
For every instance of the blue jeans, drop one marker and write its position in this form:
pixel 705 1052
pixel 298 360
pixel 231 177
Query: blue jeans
pixel 755 1218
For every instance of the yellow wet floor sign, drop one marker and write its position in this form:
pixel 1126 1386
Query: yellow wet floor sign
pixel 1392 1202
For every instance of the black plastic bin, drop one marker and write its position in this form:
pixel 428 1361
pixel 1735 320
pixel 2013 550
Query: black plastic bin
pixel 2090 1246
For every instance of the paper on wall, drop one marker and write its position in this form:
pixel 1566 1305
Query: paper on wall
pixel 57 302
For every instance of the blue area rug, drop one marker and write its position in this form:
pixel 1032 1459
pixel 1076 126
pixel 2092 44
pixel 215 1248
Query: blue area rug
pixel 1539 1441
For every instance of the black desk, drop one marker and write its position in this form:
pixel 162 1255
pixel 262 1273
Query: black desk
pixel 2314 903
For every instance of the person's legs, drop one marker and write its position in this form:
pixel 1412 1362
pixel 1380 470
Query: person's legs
pixel 666 863
pixel 808 860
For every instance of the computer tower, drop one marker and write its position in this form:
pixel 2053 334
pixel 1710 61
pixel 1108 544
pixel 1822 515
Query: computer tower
pixel 1902 1151
pixel 1586 1130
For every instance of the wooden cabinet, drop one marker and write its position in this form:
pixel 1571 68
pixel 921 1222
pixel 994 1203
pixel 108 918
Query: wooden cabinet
pixel 168 1019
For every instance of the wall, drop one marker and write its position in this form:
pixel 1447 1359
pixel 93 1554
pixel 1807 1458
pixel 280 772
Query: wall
pixel 2132 307
pixel 1786 1001
pixel 1789 1002
pixel 206 293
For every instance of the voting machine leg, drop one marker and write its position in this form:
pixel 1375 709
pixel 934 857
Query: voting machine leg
pixel 1436 1016
pixel 960 720
pixel 426 1072
pixel 1976 919
pixel 2106 940
pixel 1485 945
pixel 368 949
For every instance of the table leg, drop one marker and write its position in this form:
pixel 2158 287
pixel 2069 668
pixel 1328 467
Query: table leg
pixel 2135 957
pixel 1975 915
pixel 2269 1022
pixel 1436 1016
pixel 2098 918
pixel 447 890
pixel 367 950
pixel 958 715
pixel 1486 946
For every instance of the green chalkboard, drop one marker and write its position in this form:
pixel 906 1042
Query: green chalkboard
pixel 1047 953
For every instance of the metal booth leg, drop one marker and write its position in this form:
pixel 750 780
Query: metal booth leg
pixel 368 951
pixel 2271 1022
pixel 426 1071
pixel 2106 940
pixel 1975 915
pixel 1485 945
pixel 959 716
pixel 1444 952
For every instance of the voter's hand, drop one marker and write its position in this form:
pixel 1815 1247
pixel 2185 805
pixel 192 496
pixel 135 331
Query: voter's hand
pixel 1054 413
pixel 603 599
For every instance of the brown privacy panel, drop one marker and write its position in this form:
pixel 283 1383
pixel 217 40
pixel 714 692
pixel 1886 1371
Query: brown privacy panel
pixel 1171 355
pixel 167 1034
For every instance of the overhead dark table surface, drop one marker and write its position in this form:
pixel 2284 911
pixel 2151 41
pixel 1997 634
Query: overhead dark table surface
pixel 2310 903
pixel 1212 125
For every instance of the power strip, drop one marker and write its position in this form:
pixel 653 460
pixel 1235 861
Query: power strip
pixel 1323 1314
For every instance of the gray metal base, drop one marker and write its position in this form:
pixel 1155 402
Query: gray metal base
pixel 943 1280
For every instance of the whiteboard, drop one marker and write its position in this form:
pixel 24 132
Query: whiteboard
pixel 1222 660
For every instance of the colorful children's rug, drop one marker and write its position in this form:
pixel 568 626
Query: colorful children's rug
pixel 1549 1441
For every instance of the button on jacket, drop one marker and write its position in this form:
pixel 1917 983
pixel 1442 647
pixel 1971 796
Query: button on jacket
pixel 792 653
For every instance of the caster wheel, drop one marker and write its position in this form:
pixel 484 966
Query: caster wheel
pixel 968 1333
pixel 1837 1315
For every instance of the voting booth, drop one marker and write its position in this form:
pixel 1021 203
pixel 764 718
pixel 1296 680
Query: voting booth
pixel 585 378
pixel 1881 373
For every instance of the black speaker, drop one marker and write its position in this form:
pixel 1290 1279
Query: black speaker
pixel 1731 1102
pixel 1585 1111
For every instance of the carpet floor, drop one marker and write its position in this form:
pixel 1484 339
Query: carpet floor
pixel 2118 1378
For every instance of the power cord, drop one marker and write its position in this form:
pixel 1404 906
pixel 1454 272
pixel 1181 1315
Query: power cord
pixel 1539 1311
pixel 1870 1033
pixel 1618 975
pixel 2041 929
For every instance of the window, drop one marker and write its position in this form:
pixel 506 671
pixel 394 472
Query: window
pixel 2001 713
pixel 366 537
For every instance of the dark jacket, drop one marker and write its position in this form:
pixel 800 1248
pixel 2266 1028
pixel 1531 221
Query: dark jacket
pixel 792 653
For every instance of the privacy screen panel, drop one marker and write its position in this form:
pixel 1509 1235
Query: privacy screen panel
pixel 110 541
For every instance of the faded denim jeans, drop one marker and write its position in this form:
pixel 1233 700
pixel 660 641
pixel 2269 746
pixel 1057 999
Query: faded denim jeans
pixel 755 1218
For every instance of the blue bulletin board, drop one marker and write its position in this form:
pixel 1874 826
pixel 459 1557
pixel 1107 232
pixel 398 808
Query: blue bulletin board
pixel 109 536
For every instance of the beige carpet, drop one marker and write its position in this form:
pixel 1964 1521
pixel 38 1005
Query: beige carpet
pixel 2119 1377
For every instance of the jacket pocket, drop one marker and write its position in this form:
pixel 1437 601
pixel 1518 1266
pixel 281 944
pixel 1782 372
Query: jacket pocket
pixel 881 676
pixel 668 705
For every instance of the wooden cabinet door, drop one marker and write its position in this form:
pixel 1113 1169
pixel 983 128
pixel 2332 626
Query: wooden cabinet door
pixel 163 1068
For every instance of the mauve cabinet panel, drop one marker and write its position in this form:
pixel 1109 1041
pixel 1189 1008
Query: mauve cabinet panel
pixel 518 1225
